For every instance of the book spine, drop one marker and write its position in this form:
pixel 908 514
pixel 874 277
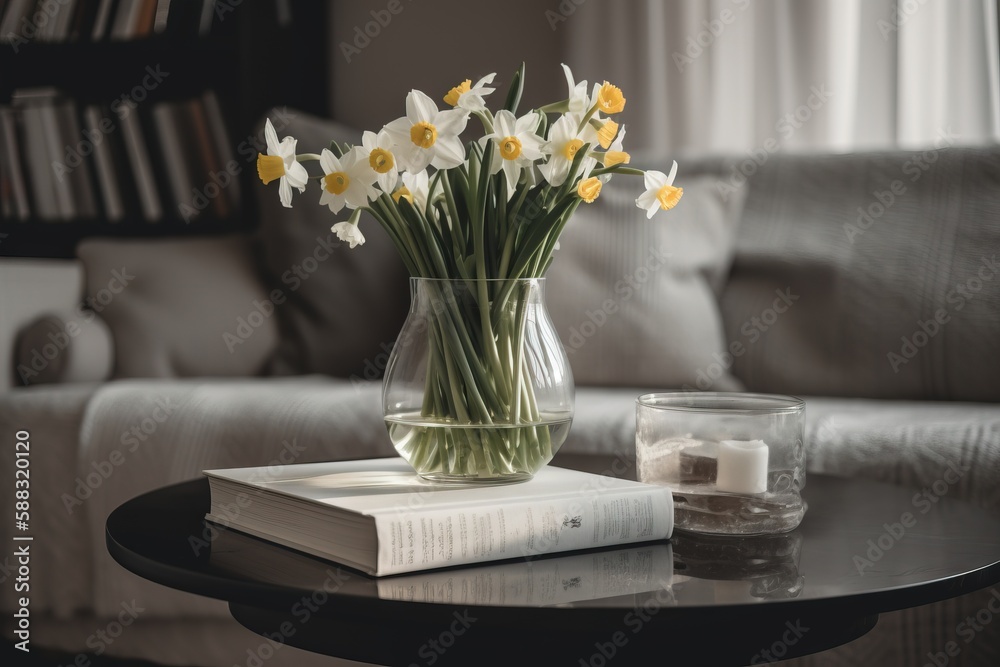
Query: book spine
pixel 418 539
pixel 171 143
pixel 101 20
pixel 43 195
pixel 12 162
pixel 114 209
pixel 142 167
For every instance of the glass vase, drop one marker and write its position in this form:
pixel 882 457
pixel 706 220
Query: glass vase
pixel 478 387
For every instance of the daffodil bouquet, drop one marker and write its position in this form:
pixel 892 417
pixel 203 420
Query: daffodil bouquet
pixel 488 214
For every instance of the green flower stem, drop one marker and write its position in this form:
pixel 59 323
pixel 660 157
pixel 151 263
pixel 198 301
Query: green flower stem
pixel 618 169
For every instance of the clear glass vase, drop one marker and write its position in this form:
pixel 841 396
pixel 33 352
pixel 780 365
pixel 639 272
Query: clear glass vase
pixel 478 387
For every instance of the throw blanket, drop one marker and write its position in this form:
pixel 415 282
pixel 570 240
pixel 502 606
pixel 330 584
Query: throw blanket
pixel 168 432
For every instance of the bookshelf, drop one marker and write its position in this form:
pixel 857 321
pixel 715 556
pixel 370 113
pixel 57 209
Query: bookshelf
pixel 144 127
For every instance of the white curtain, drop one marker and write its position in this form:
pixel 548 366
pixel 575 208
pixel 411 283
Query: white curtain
pixel 730 76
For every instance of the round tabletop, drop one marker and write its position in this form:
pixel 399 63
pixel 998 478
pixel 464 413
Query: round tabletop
pixel 863 548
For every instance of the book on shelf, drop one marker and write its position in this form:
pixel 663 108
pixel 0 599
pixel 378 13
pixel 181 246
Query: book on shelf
pixel 161 160
pixel 101 20
pixel 142 166
pixel 13 191
pixel 380 517
pixel 108 180
pixel 97 20
pixel 627 572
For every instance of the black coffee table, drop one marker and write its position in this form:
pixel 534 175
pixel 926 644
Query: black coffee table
pixel 692 601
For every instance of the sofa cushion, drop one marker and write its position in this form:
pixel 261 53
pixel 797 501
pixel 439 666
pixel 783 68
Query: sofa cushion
pixel 905 442
pixel 634 300
pixel 870 275
pixel 181 307
pixel 69 345
pixel 344 307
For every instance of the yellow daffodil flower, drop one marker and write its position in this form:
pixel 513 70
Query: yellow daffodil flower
pixel 517 145
pixel 660 192
pixel 564 143
pixel 469 97
pixel 347 181
pixel 380 158
pixel 280 163
pixel 426 136
pixel 610 99
pixel 415 189
pixel 615 154
pixel 589 189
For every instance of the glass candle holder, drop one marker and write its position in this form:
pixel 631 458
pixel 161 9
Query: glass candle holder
pixel 735 462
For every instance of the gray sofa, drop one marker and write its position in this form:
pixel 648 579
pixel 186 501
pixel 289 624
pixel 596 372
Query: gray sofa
pixel 896 352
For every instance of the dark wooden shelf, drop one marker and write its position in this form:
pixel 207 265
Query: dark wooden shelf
pixel 58 238
pixel 145 72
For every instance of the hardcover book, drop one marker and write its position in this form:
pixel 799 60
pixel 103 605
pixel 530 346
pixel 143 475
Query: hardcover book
pixel 380 517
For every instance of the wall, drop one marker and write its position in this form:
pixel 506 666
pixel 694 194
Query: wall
pixel 432 46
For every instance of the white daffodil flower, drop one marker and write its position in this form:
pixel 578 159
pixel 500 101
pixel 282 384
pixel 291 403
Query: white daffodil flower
pixel 348 181
pixel 280 163
pixel 349 232
pixel 660 192
pixel 378 147
pixel 564 143
pixel 469 97
pixel 578 99
pixel 426 136
pixel 415 189
pixel 517 145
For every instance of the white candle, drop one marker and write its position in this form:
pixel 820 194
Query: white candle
pixel 742 466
